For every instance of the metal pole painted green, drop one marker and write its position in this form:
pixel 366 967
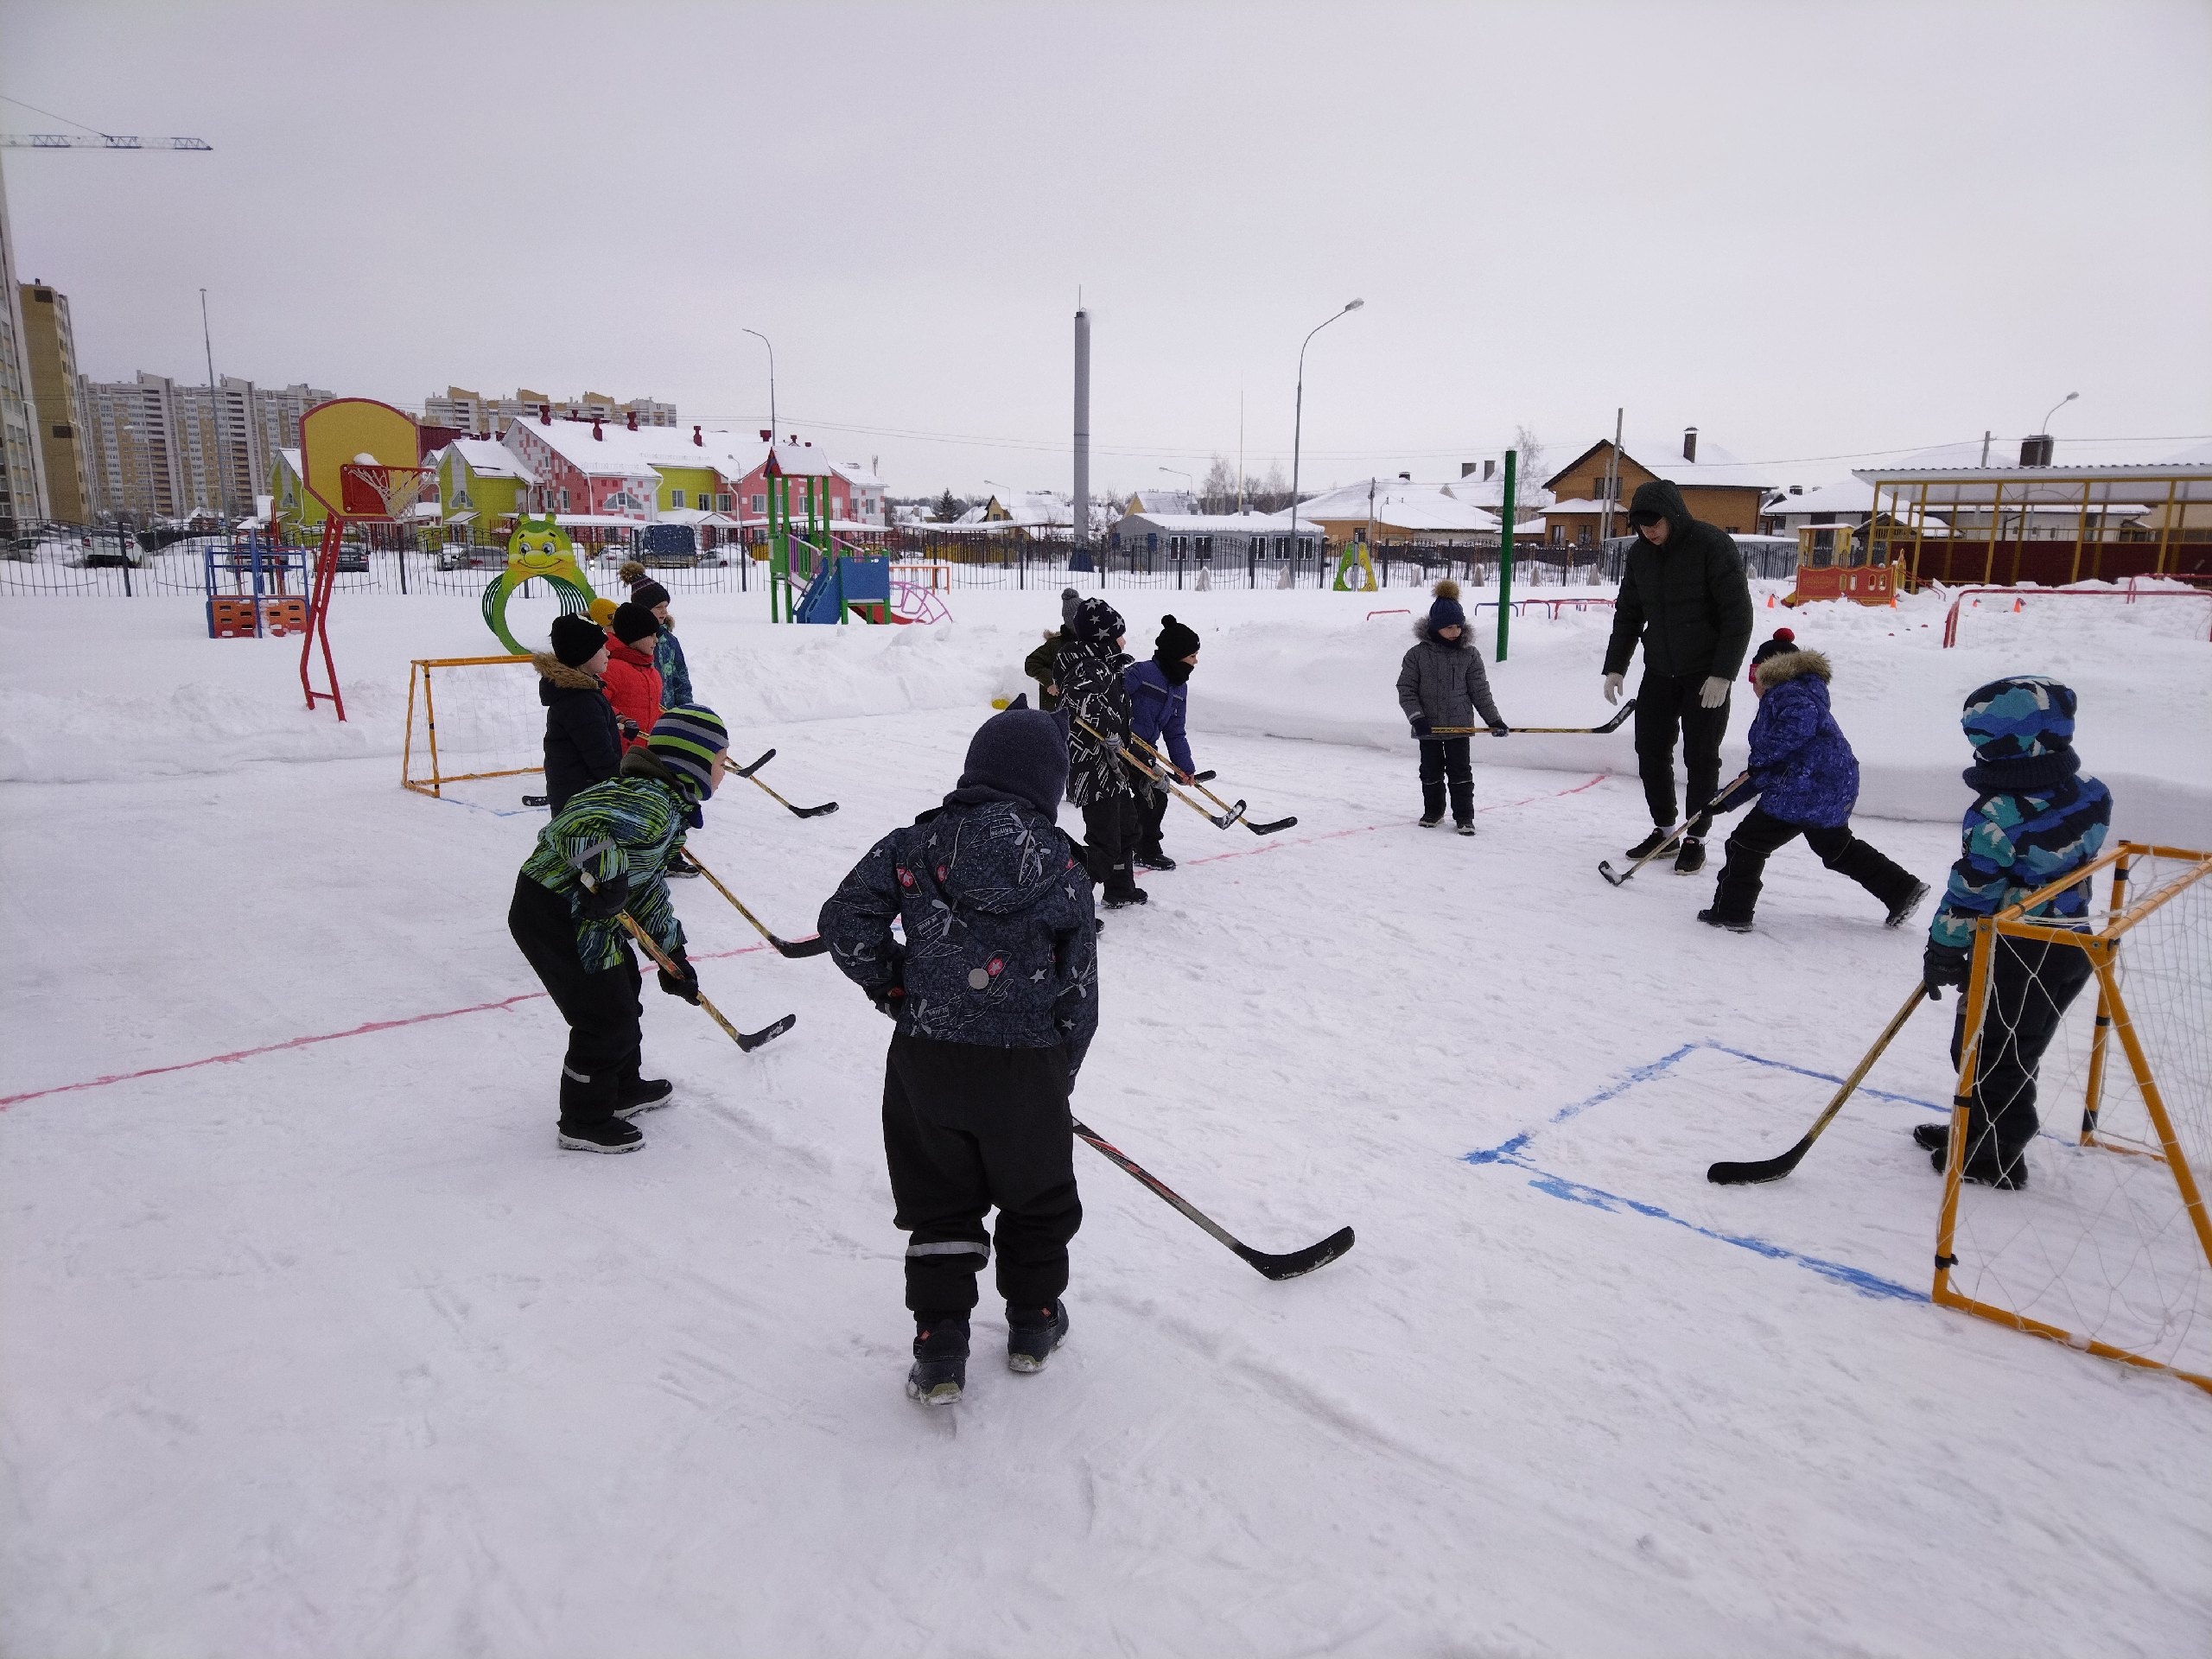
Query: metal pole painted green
pixel 1505 560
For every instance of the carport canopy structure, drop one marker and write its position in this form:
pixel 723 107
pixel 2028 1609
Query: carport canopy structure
pixel 1990 524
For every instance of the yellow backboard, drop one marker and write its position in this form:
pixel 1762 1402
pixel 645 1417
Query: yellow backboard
pixel 344 431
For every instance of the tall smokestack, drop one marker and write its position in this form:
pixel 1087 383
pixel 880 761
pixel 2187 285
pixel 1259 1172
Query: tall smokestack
pixel 1082 427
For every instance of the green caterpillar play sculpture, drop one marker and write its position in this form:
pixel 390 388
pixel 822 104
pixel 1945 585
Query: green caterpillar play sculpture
pixel 539 548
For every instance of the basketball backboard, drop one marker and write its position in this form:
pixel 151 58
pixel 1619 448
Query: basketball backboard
pixel 347 431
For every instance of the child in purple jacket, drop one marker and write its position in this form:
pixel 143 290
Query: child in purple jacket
pixel 1806 782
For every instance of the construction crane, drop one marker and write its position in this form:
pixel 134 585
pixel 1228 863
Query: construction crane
pixel 95 141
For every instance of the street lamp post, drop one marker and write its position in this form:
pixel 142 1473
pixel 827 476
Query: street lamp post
pixel 775 431
pixel 2056 407
pixel 1297 424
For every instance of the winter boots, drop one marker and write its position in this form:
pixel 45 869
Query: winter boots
pixel 605 1135
pixel 1032 1333
pixel 590 1118
pixel 1430 820
pixel 1689 857
pixel 636 1094
pixel 1661 834
pixel 1713 918
pixel 940 1369
pixel 1987 1163
pixel 1901 911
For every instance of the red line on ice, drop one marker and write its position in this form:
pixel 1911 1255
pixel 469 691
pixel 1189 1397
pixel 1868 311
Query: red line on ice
pixel 1369 829
pixel 371 1028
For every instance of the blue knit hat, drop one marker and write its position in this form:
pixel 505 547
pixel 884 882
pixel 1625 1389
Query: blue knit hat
pixel 1446 612
pixel 686 738
pixel 2018 716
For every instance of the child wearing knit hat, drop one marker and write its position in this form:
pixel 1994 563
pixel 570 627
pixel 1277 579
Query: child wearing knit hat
pixel 1441 682
pixel 1807 781
pixel 603 856
pixel 583 744
pixel 667 651
pixel 1159 700
pixel 632 677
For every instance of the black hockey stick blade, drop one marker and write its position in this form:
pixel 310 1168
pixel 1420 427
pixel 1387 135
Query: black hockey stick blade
pixel 1605 869
pixel 1234 815
pixel 537 800
pixel 1204 777
pixel 749 1040
pixel 1269 829
pixel 1764 1169
pixel 797 948
pixel 1614 724
pixel 746 772
pixel 1298 1262
pixel 821 811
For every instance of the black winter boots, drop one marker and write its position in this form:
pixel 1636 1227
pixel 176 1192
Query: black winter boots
pixel 940 1369
pixel 1032 1333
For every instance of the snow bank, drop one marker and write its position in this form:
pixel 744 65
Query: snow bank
pixel 103 690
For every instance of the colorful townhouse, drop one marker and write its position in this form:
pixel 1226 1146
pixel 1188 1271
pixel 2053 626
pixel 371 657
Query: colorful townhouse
pixel 480 489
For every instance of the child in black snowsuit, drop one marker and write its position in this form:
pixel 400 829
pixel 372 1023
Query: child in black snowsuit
pixel 1099 781
pixel 1441 682
pixel 582 744
pixel 995 998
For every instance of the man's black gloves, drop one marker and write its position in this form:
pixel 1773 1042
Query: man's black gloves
pixel 605 899
pixel 684 982
pixel 1941 965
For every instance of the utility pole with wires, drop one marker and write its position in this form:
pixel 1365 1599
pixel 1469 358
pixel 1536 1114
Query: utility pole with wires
pixel 215 408
pixel 1612 481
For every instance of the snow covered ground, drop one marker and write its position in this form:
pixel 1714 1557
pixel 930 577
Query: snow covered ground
pixel 312 1342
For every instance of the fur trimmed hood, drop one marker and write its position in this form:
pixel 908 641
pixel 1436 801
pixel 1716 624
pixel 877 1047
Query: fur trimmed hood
pixel 558 673
pixel 1428 636
pixel 1786 665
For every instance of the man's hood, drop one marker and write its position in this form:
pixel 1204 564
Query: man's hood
pixel 1661 496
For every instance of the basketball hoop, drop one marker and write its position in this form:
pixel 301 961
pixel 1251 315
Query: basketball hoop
pixel 377 492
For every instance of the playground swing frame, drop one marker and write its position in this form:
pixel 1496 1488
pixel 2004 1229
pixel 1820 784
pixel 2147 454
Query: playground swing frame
pixel 434 784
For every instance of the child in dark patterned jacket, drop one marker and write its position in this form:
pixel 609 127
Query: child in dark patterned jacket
pixel 995 997
pixel 2035 819
pixel 1807 781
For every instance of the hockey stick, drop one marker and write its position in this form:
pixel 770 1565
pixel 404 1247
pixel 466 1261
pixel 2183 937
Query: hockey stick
pixel 1198 781
pixel 1613 725
pixel 1288 1265
pixel 737 771
pixel 1773 1169
pixel 1605 865
pixel 1137 764
pixel 822 811
pixel 747 1041
pixel 813 947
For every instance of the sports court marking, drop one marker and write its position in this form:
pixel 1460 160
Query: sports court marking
pixel 1561 1186
pixel 1274 846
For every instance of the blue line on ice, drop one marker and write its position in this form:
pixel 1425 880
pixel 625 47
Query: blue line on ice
pixel 1561 1186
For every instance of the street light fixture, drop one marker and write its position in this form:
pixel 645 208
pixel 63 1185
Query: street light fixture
pixel 2055 408
pixel 775 432
pixel 1193 491
pixel 1298 425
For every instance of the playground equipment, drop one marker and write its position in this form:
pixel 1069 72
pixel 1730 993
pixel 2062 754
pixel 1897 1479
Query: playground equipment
pixel 361 460
pixel 2051 525
pixel 1355 563
pixel 1834 562
pixel 793 552
pixel 539 549
pixel 255 587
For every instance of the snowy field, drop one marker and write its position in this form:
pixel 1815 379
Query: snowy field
pixel 312 1342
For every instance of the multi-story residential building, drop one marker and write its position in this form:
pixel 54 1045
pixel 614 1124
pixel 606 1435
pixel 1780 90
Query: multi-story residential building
pixel 155 448
pixel 23 482
pixel 471 411
pixel 51 353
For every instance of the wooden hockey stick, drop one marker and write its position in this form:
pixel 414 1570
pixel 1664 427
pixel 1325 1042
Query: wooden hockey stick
pixel 1605 865
pixel 1199 782
pixel 793 949
pixel 1143 771
pixel 747 1041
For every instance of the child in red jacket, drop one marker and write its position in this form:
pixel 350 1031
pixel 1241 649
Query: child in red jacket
pixel 632 681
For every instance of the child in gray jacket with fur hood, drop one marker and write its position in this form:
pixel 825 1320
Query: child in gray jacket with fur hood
pixel 1441 685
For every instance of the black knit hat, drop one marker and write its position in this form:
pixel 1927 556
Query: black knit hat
pixel 1020 750
pixel 648 593
pixel 1784 640
pixel 577 638
pixel 1096 621
pixel 632 623
pixel 1177 640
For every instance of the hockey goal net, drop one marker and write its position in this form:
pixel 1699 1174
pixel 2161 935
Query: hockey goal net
pixel 463 713
pixel 2101 1027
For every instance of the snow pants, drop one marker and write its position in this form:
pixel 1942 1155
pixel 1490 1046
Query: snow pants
pixel 1446 759
pixel 1152 818
pixel 1668 704
pixel 605 1013
pixel 1110 830
pixel 2031 986
pixel 1761 835
pixel 967 1127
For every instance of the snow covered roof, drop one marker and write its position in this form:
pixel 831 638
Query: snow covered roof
pixel 1154 501
pixel 1023 508
pixel 2099 486
pixel 617 452
pixel 1209 523
pixel 853 473
pixel 489 458
pixel 799 460
pixel 1714 467
pixel 1399 505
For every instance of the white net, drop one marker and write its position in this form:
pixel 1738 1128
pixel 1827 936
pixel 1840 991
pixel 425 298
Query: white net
pixel 485 717
pixel 2103 1243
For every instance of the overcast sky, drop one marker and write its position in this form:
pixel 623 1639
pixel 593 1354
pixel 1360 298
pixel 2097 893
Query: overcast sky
pixel 1817 233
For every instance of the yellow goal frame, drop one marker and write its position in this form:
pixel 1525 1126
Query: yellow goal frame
pixel 419 669
pixel 2100 944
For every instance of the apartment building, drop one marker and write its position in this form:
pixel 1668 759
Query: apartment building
pixel 470 411
pixel 50 358
pixel 23 485
pixel 157 448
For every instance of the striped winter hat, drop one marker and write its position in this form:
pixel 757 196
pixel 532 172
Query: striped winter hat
pixel 686 738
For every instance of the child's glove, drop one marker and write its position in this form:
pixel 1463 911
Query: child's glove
pixel 1715 691
pixel 1420 726
pixel 629 728
pixel 1501 729
pixel 1729 799
pixel 1613 683
pixel 1941 965
pixel 684 983
pixel 889 995
pixel 605 899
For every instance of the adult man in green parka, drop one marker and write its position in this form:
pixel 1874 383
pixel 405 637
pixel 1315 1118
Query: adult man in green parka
pixel 1684 597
